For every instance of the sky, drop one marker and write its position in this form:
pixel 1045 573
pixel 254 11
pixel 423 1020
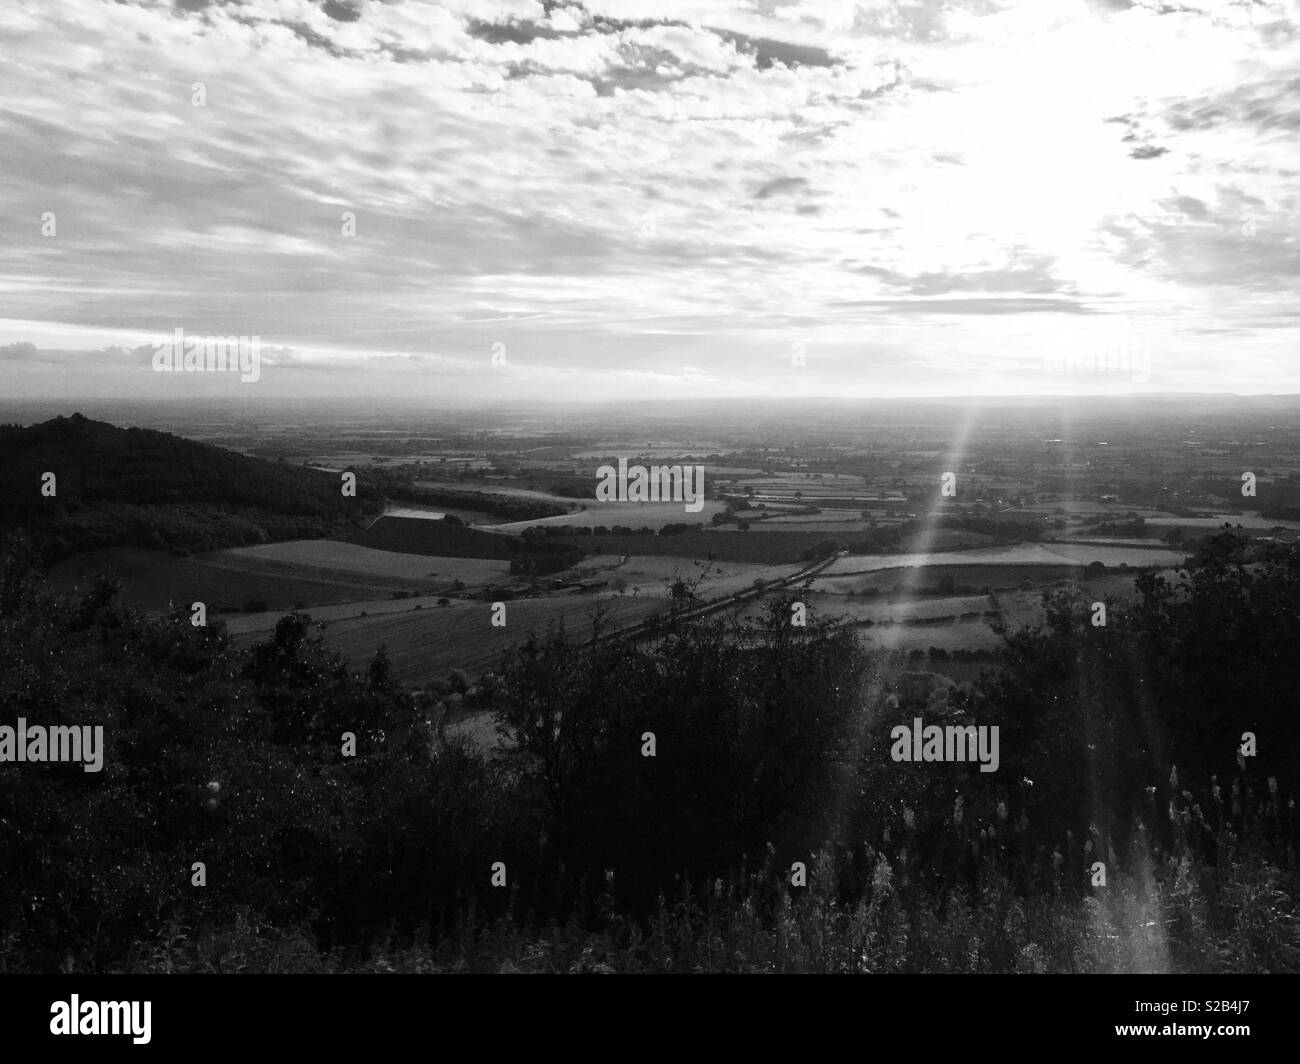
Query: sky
pixel 652 199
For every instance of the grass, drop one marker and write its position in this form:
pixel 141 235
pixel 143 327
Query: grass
pixel 1167 912
pixel 768 548
pixel 426 644
pixel 338 557
pixel 151 580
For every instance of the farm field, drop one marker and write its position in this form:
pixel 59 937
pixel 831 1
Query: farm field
pixel 731 471
pixel 416 512
pixel 772 548
pixel 845 608
pixel 826 517
pixel 1253 521
pixel 878 611
pixel 633 514
pixel 900 625
pixel 336 460
pixel 242 624
pixel 337 556
pixel 1056 554
pixel 1081 537
pixel 798 481
pixel 414 536
pixel 426 644
pixel 889 628
pixel 314 572
pixel 1082 507
pixel 152 580
pixel 651 453
pixel 1000 578
pixel 1115 556
pixel 492 487
pixel 648 574
pixel 948 539
pixel 812 524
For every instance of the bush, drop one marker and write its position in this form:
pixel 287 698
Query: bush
pixel 358 859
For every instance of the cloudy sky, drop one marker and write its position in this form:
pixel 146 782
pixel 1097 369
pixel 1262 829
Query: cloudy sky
pixel 652 197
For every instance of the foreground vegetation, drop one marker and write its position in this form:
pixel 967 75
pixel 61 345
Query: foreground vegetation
pixel 1119 745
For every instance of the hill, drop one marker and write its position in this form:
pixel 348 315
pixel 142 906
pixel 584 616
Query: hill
pixel 115 487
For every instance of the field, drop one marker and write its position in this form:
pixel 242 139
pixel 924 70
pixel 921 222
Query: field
pixel 952 622
pixel 1080 536
pixel 633 514
pixel 1027 554
pixel 314 572
pixel 1115 511
pixel 826 517
pixel 905 625
pixel 152 580
pixel 426 644
pixel 497 487
pixel 1254 522
pixel 654 451
pixel 648 575
pixel 769 549
pixel 338 557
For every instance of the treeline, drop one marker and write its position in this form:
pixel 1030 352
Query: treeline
pixel 959 654
pixel 141 488
pixel 507 507
pixel 991 526
pixel 542 532
pixel 574 488
pixel 1133 528
pixel 1282 513
pixel 661 797
pixel 452 539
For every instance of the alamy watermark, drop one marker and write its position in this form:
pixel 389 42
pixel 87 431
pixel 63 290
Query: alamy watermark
pixel 1135 362
pixel 210 354
pixel 952 742
pixel 684 484
pixel 59 743
pixel 102 1017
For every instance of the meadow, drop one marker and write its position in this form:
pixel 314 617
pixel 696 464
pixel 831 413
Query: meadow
pixel 649 574
pixel 425 644
pixel 772 548
pixel 154 580
pixel 335 556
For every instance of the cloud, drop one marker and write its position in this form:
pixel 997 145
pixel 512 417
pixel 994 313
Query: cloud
pixel 651 184
pixel 974 306
pixel 781 185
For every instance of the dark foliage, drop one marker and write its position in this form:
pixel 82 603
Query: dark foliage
pixel 771 745
pixel 137 487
